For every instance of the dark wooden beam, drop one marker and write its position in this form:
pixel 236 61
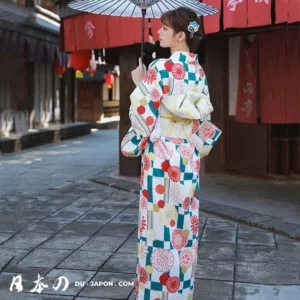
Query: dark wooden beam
pixel 128 62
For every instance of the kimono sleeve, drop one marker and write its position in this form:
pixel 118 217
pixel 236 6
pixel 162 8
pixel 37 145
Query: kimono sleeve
pixel 145 101
pixel 207 133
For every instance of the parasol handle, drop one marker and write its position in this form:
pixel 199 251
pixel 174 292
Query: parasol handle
pixel 143 34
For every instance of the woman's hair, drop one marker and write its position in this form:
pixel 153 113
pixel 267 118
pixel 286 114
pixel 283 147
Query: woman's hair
pixel 179 19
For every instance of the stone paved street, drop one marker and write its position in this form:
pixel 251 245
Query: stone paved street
pixel 54 222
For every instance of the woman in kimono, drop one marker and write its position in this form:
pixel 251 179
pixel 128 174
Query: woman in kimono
pixel 169 111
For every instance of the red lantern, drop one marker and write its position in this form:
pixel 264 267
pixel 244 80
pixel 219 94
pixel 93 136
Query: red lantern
pixel 109 80
pixel 59 70
pixel 91 72
pixel 80 60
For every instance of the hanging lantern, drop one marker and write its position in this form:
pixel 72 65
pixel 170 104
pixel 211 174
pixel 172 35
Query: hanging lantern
pixel 109 80
pixel 93 65
pixel 79 74
pixel 59 70
pixel 91 72
pixel 80 60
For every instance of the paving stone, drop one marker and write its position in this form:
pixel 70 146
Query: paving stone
pixel 267 273
pixel 220 223
pixel 44 258
pixel 48 226
pixel 65 241
pixel 11 255
pixel 254 253
pixel 7 295
pixel 130 246
pixel 215 270
pixel 212 290
pixel 135 233
pixel 65 215
pixel 38 214
pixel 24 205
pixel 126 219
pixel 102 217
pixel 103 244
pixel 81 298
pixel 54 205
pixel 27 240
pixel 256 238
pixel 244 291
pixel 52 297
pixel 6 280
pixel 15 226
pixel 4 236
pixel 72 276
pixel 83 228
pixel 219 235
pixel 120 263
pixel 216 251
pixel 114 292
pixel 110 204
pixel 131 210
pixel 85 260
pixel 113 229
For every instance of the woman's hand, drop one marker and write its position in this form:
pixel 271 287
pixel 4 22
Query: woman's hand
pixel 139 73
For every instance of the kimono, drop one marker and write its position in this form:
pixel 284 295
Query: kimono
pixel 171 128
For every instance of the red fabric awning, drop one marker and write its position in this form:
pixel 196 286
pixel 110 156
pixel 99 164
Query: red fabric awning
pixel 212 23
pixel 91 31
pixel 235 13
pixel 281 7
pixel 259 13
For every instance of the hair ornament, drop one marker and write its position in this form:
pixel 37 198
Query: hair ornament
pixel 193 27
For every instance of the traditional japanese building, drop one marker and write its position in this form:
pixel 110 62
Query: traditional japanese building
pixel 31 92
pixel 251 58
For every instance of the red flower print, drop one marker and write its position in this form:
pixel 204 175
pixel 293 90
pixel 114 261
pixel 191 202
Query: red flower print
pixel 149 121
pixel 201 72
pixel 169 65
pixel 150 76
pixel 186 258
pixel 174 173
pixel 176 141
pixel 185 151
pixel 197 165
pixel 143 143
pixel 165 166
pixel 195 126
pixel 163 150
pixel 160 189
pixel 143 202
pixel 194 224
pixel 194 204
pixel 164 278
pixel 146 194
pixel 178 239
pixel 173 284
pixel 178 71
pixel 141 110
pixel 136 289
pixel 162 260
pixel 142 224
pixel 147 162
pixel 186 203
pixel 165 90
pixel 155 95
pixel 143 275
pixel 206 131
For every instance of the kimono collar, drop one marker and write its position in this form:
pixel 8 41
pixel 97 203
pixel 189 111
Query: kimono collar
pixel 184 56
